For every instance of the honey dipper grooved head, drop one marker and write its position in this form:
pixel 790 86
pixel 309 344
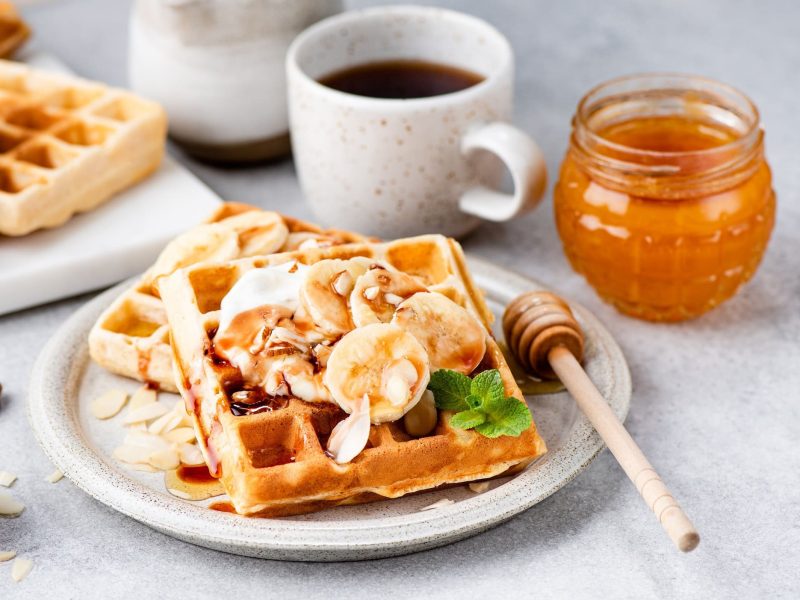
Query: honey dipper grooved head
pixel 536 322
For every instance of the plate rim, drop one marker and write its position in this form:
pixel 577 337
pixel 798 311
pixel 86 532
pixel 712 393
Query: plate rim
pixel 63 440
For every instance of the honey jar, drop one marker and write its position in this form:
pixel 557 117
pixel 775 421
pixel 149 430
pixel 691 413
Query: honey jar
pixel 664 200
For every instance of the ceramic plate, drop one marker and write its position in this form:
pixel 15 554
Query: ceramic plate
pixel 65 381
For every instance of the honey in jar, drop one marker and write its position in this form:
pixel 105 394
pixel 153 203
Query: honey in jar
pixel 664 201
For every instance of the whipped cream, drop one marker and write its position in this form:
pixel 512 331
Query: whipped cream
pixel 275 285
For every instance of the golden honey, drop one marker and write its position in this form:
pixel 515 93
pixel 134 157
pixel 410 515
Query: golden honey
pixel 664 201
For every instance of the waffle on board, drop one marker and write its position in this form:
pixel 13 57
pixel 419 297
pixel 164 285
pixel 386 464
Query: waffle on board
pixel 13 30
pixel 68 145
pixel 271 449
pixel 131 337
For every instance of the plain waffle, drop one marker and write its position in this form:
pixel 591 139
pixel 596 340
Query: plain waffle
pixel 274 463
pixel 13 30
pixel 131 337
pixel 68 145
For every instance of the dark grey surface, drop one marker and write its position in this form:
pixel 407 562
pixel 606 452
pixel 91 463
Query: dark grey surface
pixel 716 405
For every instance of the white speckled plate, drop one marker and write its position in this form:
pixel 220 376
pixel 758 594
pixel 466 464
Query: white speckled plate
pixel 64 381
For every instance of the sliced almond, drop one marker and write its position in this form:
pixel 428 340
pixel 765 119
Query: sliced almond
pixel 109 404
pixel 181 435
pixel 132 454
pixel 440 504
pixel 144 395
pixel 55 476
pixel 6 555
pixel 10 506
pixel 478 486
pixel 180 494
pixel 168 422
pixel 147 412
pixel 147 440
pixel 165 459
pixel 21 568
pixel 191 455
pixel 6 478
pixel 143 467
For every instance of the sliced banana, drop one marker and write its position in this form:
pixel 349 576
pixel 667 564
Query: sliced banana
pixel 382 362
pixel 452 337
pixel 326 289
pixel 257 232
pixel 377 294
pixel 202 244
pixel 302 240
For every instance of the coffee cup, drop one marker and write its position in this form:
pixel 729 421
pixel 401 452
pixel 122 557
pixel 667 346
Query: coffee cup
pixel 389 154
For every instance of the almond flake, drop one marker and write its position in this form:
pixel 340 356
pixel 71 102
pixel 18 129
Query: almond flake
pixel 146 440
pixel 6 478
pixel 21 568
pixel 10 506
pixel 144 395
pixel 371 292
pixel 149 411
pixel 440 504
pixel 179 494
pixel 165 460
pixel 143 467
pixel 168 422
pixel 109 404
pixel 6 555
pixel 132 454
pixel 478 486
pixel 191 455
pixel 181 435
pixel 55 476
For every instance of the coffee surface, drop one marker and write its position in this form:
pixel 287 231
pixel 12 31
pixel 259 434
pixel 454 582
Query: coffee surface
pixel 401 79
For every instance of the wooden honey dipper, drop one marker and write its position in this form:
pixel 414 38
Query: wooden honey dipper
pixel 546 339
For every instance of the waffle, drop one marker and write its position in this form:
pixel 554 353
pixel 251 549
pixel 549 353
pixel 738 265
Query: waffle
pixel 67 145
pixel 273 463
pixel 13 30
pixel 131 337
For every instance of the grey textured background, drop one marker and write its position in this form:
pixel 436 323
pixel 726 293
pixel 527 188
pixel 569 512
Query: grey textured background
pixel 716 403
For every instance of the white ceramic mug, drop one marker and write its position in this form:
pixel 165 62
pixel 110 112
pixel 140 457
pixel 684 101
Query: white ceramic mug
pixel 393 167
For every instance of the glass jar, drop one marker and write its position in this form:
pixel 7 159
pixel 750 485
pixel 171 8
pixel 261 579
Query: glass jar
pixel 664 201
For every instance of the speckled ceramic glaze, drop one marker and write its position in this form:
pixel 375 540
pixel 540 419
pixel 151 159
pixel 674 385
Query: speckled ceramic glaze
pixel 401 167
pixel 64 381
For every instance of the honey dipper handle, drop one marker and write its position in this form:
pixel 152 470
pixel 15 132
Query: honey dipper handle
pixel 621 444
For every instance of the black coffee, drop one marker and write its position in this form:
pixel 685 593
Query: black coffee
pixel 401 79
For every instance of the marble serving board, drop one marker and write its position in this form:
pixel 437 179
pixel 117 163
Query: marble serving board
pixel 108 244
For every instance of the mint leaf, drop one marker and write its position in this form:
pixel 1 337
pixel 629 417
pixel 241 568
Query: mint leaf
pixel 473 401
pixel 467 419
pixel 450 388
pixel 481 403
pixel 507 417
pixel 487 384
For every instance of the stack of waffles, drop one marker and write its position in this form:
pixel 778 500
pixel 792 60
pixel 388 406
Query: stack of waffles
pixel 277 393
pixel 68 145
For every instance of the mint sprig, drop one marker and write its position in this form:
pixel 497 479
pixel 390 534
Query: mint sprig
pixel 479 403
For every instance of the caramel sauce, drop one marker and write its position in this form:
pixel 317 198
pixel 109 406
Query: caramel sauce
pixel 222 507
pixel 192 483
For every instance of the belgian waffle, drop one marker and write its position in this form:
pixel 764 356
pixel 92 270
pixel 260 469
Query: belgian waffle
pixel 131 337
pixel 273 463
pixel 68 145
pixel 13 30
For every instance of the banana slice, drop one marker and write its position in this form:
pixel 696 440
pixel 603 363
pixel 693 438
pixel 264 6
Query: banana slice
pixel 302 240
pixel 382 362
pixel 325 291
pixel 378 292
pixel 201 244
pixel 257 232
pixel 451 336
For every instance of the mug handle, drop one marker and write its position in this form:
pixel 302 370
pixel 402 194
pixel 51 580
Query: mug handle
pixel 524 160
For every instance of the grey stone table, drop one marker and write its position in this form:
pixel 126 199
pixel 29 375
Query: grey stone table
pixel 716 401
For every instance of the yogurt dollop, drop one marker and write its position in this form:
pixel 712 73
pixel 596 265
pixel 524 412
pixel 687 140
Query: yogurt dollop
pixel 276 285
